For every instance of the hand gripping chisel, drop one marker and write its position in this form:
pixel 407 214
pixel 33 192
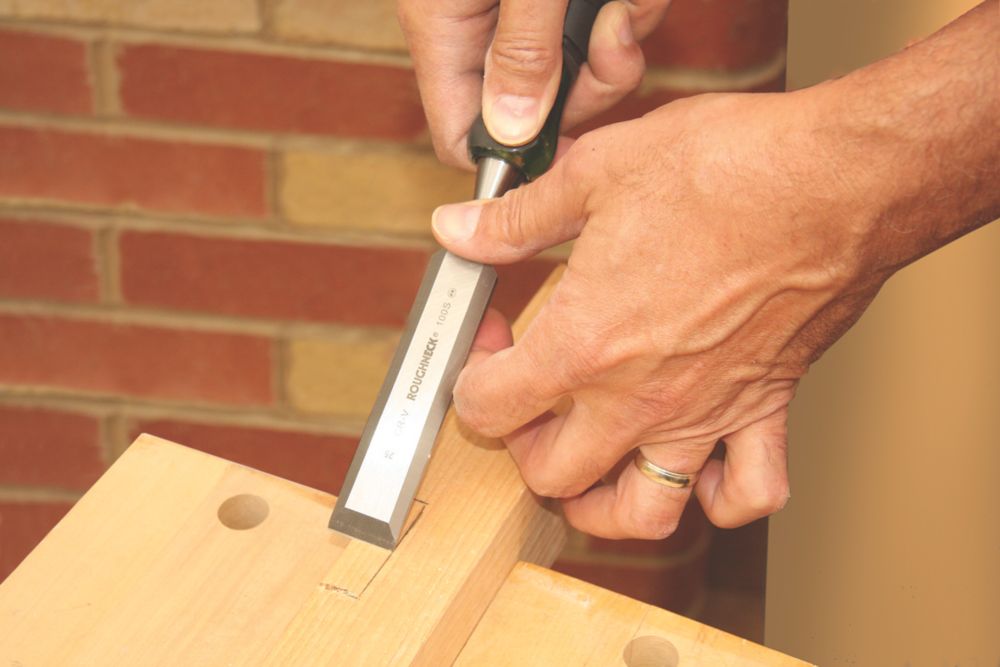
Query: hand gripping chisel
pixel 398 438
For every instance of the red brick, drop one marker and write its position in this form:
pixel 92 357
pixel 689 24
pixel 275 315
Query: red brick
pixel 135 360
pixel 22 526
pixel 718 34
pixel 690 530
pixel 316 460
pixel 49 448
pixel 675 587
pixel 291 280
pixel 43 73
pixel 268 92
pixel 45 261
pixel 96 169
pixel 280 279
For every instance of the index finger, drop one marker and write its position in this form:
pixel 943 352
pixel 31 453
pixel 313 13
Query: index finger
pixel 498 392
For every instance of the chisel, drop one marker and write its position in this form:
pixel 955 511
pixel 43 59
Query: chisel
pixel 398 438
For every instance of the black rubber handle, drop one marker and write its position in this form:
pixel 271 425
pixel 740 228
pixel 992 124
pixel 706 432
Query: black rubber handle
pixel 534 157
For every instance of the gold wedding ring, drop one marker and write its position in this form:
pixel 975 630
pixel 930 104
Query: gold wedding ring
pixel 675 480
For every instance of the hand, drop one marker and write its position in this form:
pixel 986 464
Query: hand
pixel 721 248
pixel 723 243
pixel 452 40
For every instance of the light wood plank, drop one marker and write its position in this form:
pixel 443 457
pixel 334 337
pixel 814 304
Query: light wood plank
pixel 540 617
pixel 142 571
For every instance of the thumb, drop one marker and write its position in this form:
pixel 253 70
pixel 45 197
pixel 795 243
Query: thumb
pixel 522 69
pixel 523 222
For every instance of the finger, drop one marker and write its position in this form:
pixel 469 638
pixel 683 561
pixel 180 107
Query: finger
pixel 752 480
pixel 448 43
pixel 614 66
pixel 646 15
pixel 499 392
pixel 636 506
pixel 522 69
pixel 493 335
pixel 563 455
pixel 525 220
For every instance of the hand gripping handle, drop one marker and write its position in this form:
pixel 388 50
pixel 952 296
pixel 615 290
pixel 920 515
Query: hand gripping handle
pixel 533 158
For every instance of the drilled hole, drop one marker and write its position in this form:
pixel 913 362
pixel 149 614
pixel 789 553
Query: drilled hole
pixel 650 651
pixel 243 512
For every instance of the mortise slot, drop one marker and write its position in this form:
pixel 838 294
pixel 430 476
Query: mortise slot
pixel 361 562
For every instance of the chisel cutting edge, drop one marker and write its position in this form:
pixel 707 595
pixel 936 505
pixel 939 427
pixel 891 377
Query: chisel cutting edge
pixel 398 438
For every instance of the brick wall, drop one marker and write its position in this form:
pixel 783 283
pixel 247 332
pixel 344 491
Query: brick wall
pixel 213 219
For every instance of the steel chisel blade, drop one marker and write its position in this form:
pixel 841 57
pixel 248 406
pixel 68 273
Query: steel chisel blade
pixel 398 438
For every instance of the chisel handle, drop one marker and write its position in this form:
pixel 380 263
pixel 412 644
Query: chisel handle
pixel 533 158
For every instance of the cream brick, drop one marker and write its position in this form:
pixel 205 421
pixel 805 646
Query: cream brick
pixel 195 15
pixel 368 24
pixel 366 189
pixel 339 377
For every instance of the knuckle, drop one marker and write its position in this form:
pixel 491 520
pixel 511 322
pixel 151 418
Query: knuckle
pixel 555 479
pixel 584 474
pixel 583 163
pixel 654 530
pixel 523 56
pixel 576 369
pixel 769 499
pixel 513 222
pixel 544 484
pixel 471 410
pixel 643 524
pixel 478 421
pixel 449 153
pixel 589 354
pixel 586 145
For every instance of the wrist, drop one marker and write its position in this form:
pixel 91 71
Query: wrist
pixel 870 175
pixel 913 139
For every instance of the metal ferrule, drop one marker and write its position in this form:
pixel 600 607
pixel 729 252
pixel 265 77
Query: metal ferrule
pixel 495 177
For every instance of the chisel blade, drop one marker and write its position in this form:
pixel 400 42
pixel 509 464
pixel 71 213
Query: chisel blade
pixel 399 436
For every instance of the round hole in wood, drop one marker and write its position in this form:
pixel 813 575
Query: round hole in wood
pixel 243 511
pixel 650 651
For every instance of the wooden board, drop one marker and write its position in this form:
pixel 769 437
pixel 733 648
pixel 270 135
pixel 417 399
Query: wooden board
pixel 540 617
pixel 142 571
pixel 145 570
